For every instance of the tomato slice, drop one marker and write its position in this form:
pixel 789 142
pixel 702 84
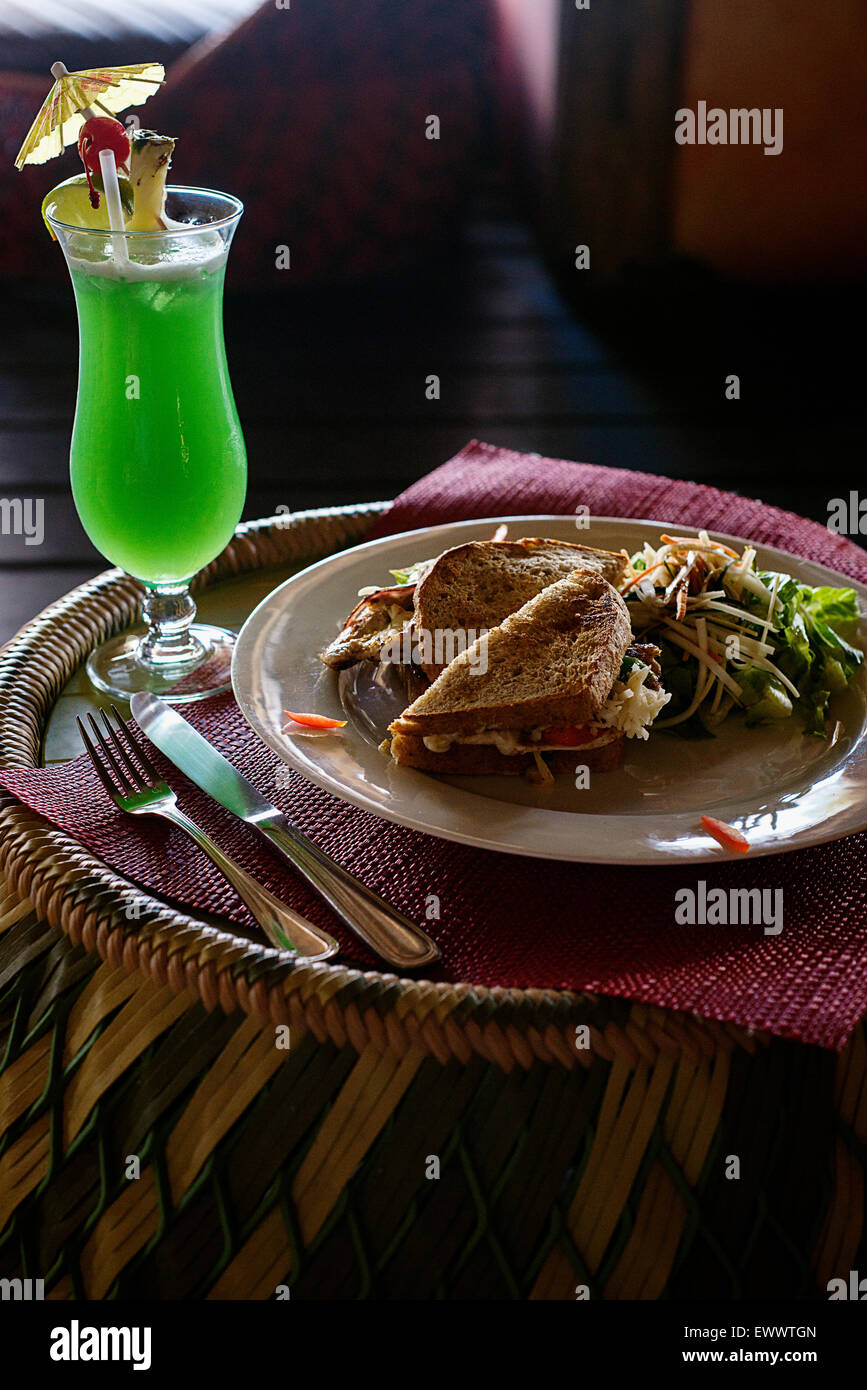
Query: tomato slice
pixel 315 721
pixel 726 835
pixel 568 735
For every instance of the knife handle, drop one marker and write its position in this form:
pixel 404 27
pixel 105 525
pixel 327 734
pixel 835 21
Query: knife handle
pixel 388 932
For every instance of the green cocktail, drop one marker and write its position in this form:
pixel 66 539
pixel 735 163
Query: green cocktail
pixel 158 463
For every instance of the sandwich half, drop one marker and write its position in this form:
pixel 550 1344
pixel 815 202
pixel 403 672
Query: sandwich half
pixel 559 682
pixel 474 587
pixel 450 600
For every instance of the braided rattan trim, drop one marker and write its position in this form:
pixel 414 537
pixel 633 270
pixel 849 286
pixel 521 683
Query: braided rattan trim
pixel 72 889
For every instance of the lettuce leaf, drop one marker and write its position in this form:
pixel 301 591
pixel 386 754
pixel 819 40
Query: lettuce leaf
pixel 410 575
pixel 811 646
pixel 766 698
pixel 836 608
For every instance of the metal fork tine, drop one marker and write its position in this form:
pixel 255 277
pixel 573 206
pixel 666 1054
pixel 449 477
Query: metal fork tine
pixel 104 778
pixel 126 786
pixel 139 782
pixel 137 748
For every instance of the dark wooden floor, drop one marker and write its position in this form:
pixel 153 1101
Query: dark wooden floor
pixel 331 391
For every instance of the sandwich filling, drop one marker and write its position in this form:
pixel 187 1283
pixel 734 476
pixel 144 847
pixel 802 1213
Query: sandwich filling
pixel 635 700
pixel 380 617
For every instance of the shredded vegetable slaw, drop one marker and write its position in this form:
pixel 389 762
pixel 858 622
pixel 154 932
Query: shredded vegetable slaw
pixel 736 637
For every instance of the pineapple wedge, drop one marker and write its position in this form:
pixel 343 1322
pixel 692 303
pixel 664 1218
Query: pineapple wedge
pixel 149 162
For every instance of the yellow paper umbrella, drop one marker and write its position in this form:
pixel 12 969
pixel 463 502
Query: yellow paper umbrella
pixel 73 99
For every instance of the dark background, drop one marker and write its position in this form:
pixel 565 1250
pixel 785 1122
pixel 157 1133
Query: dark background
pixel 625 367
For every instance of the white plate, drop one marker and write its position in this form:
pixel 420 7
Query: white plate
pixel 785 790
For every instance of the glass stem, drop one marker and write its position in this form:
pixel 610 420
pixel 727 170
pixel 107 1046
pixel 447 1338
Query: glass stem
pixel 168 611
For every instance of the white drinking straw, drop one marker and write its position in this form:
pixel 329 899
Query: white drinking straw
pixel 113 203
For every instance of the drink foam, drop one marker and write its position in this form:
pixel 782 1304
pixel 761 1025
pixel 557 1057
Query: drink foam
pixel 166 257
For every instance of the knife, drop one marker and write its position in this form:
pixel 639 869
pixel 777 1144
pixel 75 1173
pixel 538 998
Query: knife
pixel 387 931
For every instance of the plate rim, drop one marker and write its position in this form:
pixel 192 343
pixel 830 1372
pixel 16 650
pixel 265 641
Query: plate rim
pixel 327 782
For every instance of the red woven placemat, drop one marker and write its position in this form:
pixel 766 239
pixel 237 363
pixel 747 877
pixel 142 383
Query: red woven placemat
pixel 523 922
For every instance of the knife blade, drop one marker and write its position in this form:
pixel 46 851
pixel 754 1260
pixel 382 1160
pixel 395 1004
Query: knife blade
pixel 387 931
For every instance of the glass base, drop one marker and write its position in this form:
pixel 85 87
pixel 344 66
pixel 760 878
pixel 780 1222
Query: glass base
pixel 117 668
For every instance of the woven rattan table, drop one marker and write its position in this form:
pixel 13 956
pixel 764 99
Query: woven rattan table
pixel 416 1140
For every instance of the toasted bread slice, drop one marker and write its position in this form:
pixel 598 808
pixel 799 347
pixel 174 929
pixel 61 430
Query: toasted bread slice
pixel 477 585
pixel 408 750
pixel 554 661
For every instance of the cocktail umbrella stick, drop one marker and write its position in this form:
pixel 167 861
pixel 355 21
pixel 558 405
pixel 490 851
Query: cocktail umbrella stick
pixel 59 70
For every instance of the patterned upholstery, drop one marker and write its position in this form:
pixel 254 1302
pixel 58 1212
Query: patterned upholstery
pixel 315 116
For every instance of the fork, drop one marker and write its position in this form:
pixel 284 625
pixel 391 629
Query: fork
pixel 146 793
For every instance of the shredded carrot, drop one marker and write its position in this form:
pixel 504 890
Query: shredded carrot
pixel 726 835
pixel 717 545
pixel 642 574
pixel 315 721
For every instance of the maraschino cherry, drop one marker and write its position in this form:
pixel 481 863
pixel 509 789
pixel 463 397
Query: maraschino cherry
pixel 101 133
